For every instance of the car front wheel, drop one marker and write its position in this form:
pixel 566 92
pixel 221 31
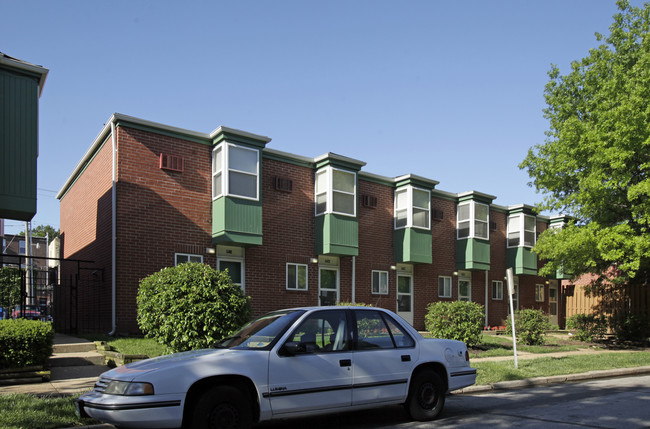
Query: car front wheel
pixel 222 407
pixel 426 397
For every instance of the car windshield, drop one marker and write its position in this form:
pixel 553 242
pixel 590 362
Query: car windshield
pixel 263 332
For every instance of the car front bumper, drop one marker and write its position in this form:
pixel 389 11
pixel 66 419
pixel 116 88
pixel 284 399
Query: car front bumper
pixel 155 411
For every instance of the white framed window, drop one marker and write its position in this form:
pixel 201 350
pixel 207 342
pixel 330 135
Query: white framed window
pixel 181 258
pixel 412 208
pixel 522 230
pixel 22 249
pixel 335 192
pixel 297 277
pixel 235 172
pixel 380 282
pixel 444 287
pixel 539 293
pixel 464 286
pixel 473 220
pixel 497 289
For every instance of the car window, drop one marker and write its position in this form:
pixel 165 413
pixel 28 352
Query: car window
pixel 323 331
pixel 377 331
pixel 261 333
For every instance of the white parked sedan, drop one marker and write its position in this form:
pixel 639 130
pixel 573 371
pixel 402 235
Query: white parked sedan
pixel 287 363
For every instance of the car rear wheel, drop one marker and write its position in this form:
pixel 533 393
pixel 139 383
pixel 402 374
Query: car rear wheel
pixel 426 397
pixel 222 407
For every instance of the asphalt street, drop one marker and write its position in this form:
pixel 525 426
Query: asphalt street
pixel 608 403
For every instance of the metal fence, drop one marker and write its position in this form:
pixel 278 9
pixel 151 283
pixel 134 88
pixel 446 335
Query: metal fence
pixel 70 293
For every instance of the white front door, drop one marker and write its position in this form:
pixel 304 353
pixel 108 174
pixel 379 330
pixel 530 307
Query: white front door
pixel 552 302
pixel 405 297
pixel 328 286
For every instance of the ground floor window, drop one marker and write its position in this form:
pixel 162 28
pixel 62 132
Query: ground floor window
pixel 296 277
pixel 539 293
pixel 380 282
pixel 497 289
pixel 444 287
pixel 181 258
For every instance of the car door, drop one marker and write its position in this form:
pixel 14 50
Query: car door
pixel 312 370
pixel 383 359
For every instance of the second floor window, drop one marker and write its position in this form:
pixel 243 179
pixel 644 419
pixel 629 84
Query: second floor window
pixel 235 171
pixel 336 192
pixel 473 220
pixel 412 208
pixel 521 230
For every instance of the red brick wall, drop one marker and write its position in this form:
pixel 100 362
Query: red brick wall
pixel 288 237
pixel 159 212
pixel 85 216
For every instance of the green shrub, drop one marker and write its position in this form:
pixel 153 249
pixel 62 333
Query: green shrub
pixel 530 326
pixel 588 327
pixel 25 342
pixel 630 327
pixel 190 306
pixel 455 320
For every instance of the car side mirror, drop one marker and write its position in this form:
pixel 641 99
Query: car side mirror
pixel 292 348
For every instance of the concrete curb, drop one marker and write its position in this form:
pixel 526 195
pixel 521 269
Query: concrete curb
pixel 556 379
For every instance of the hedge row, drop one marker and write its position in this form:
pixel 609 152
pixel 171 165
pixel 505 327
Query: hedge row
pixel 25 342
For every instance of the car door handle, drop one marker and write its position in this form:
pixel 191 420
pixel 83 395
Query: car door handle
pixel 406 358
pixel 345 362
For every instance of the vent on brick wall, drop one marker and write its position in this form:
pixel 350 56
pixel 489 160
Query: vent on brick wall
pixel 171 162
pixel 283 184
pixel 369 201
pixel 438 215
pixel 493 226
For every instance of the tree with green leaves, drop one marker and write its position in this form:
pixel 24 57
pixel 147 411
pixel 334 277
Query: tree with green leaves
pixel 43 231
pixel 10 287
pixel 595 163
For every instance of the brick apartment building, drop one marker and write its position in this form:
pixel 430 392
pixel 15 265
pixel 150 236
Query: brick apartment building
pixel 291 230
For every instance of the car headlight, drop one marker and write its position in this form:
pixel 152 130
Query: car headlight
pixel 127 388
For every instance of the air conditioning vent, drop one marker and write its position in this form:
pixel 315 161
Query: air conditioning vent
pixel 283 184
pixel 369 201
pixel 438 215
pixel 493 226
pixel 172 162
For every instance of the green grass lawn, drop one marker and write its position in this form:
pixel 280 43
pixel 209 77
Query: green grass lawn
pixel 492 372
pixel 501 345
pixel 28 411
pixel 132 345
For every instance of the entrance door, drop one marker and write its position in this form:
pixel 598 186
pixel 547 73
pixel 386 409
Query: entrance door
pixel 552 302
pixel 328 286
pixel 235 270
pixel 405 297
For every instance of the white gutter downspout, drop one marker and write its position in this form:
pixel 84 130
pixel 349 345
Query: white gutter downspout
pixel 486 298
pixel 354 272
pixel 113 230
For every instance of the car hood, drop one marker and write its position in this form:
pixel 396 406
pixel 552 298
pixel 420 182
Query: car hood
pixel 167 363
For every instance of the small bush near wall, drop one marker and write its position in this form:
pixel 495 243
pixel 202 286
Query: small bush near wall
pixel 530 326
pixel 588 327
pixel 190 306
pixel 456 320
pixel 25 342
pixel 630 327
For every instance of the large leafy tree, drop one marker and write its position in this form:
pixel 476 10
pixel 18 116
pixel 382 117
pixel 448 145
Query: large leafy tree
pixel 595 163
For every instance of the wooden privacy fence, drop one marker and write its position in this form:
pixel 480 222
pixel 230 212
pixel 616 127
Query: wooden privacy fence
pixel 633 299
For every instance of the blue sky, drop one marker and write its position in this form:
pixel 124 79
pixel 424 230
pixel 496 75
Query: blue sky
pixel 448 90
